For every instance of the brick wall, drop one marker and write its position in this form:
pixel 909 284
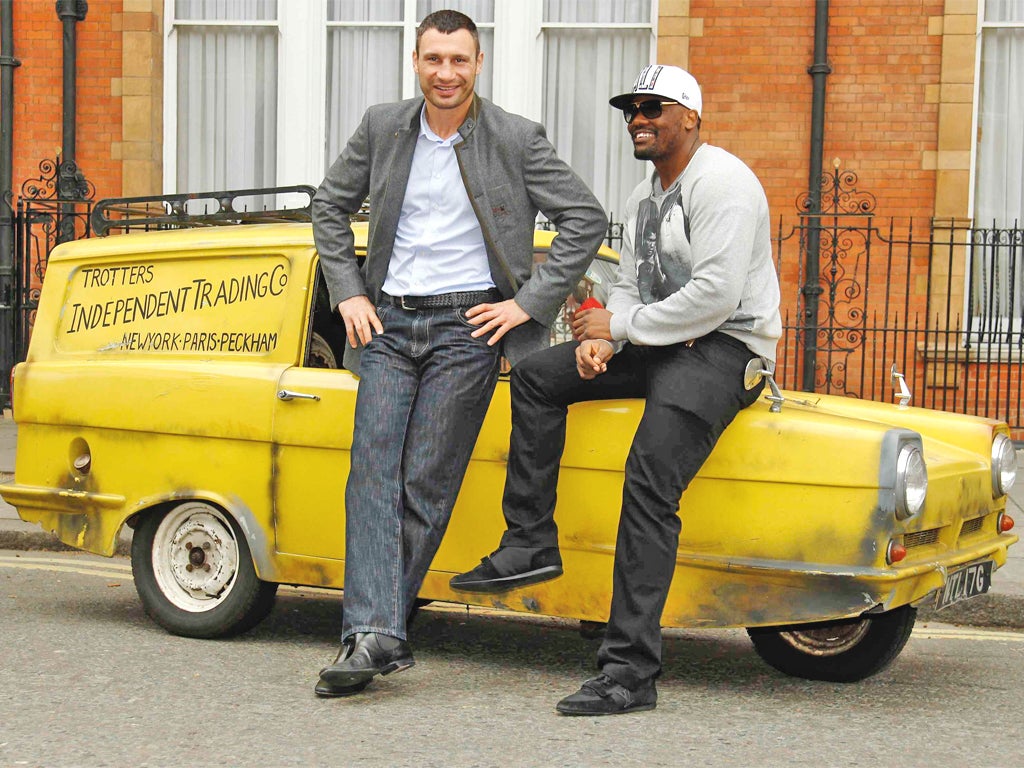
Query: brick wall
pixel 38 85
pixel 883 110
pixel 752 60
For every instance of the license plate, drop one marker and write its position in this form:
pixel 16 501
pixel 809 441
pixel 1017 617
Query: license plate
pixel 967 582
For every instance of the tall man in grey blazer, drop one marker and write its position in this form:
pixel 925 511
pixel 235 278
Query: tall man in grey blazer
pixel 454 184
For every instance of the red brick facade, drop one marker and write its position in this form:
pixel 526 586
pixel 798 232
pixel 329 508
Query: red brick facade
pixel 38 87
pixel 757 94
pixel 752 64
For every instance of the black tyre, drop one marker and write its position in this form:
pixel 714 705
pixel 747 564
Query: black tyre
pixel 328 339
pixel 321 355
pixel 838 651
pixel 194 572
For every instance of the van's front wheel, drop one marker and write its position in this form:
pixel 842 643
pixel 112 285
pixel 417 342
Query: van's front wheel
pixel 838 651
pixel 194 572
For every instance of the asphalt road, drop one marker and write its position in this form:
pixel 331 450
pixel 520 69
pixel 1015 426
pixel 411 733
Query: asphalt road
pixel 89 680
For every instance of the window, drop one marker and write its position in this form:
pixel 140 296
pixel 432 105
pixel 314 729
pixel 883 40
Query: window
pixel 225 98
pixel 997 256
pixel 265 92
pixel 593 51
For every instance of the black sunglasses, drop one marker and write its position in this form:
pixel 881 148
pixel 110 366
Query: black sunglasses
pixel 649 109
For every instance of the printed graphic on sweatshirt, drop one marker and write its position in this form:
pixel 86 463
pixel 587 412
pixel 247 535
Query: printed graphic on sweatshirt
pixel 660 272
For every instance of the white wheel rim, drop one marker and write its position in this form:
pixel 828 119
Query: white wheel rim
pixel 195 557
pixel 828 641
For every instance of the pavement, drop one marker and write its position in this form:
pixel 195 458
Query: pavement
pixel 1003 606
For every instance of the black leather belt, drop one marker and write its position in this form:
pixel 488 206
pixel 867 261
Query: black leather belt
pixel 443 300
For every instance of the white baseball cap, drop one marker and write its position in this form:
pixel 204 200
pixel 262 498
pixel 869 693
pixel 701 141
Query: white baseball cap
pixel 666 81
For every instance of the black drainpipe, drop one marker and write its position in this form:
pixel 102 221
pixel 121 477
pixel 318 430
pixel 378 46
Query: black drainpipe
pixel 811 290
pixel 7 66
pixel 70 13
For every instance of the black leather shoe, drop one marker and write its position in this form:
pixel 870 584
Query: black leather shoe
pixel 371 654
pixel 604 696
pixel 510 568
pixel 328 691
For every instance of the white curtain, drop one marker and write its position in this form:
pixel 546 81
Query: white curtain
pixel 364 65
pixel 997 282
pixel 583 68
pixel 227 96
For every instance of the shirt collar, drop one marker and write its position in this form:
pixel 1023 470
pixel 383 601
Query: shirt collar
pixel 426 133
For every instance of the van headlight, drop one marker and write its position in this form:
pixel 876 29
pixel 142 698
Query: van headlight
pixel 1004 465
pixel 911 481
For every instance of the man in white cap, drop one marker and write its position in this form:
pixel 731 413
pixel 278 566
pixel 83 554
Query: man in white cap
pixel 696 299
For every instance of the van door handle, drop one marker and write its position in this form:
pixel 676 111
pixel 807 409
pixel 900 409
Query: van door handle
pixel 287 394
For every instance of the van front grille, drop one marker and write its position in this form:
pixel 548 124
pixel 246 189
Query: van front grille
pixel 920 538
pixel 972 526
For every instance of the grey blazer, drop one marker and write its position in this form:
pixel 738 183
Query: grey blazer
pixel 510 171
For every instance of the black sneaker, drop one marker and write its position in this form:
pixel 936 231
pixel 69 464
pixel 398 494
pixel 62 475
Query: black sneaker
pixel 510 568
pixel 604 696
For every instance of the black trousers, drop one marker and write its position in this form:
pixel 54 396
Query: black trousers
pixel 692 393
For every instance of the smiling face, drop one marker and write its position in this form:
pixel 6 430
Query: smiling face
pixel 447 66
pixel 663 137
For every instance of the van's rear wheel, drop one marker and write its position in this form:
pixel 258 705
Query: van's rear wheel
pixel 321 355
pixel 194 572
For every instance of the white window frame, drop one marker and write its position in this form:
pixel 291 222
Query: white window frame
pixel 170 138
pixel 975 119
pixel 998 348
pixel 302 42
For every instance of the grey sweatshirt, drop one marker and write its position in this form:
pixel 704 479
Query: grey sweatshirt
pixel 697 258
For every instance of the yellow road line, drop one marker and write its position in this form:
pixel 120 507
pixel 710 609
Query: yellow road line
pixel 956 633
pixel 66 569
pixel 63 561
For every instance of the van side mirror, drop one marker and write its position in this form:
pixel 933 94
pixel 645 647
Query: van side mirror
pixel 754 373
pixel 899 383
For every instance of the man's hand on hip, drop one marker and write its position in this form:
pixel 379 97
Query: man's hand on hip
pixel 592 324
pixel 499 318
pixel 360 318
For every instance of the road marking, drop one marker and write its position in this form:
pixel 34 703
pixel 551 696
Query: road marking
pixel 63 561
pixel 65 569
pixel 88 568
pixel 954 633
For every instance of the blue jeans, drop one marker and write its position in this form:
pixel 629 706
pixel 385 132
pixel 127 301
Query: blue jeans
pixel 425 385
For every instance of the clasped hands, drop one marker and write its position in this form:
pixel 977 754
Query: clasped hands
pixel 592 329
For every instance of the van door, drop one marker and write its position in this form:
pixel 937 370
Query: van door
pixel 312 439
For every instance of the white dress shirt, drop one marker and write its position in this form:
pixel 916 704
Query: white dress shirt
pixel 439 247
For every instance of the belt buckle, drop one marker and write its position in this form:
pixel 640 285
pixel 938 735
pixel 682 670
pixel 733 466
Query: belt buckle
pixel 405 306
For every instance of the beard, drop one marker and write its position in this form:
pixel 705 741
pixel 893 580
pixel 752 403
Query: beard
pixel 649 151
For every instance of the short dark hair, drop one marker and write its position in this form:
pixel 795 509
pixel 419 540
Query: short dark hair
pixel 447 22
